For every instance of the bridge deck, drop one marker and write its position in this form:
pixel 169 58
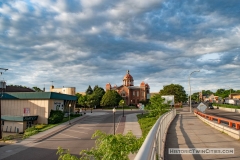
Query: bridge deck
pixel 187 131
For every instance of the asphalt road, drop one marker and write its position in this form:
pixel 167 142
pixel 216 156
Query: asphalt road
pixel 75 138
pixel 224 114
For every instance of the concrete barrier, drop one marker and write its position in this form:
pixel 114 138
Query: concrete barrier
pixel 230 131
pixel 227 109
pixel 237 110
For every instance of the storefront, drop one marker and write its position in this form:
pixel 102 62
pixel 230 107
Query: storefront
pixel 21 110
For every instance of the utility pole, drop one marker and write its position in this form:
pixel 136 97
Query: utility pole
pixel 190 105
pixel 2 87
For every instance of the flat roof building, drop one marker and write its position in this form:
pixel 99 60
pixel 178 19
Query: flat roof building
pixel 21 110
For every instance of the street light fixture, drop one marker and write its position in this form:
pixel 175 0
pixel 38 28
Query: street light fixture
pixel 69 114
pixel 190 90
pixel 114 110
pixel 123 108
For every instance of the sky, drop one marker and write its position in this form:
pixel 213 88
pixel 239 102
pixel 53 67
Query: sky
pixel 77 43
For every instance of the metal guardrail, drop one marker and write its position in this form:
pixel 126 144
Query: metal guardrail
pixel 230 122
pixel 153 146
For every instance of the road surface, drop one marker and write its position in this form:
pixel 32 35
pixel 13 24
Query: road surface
pixel 75 138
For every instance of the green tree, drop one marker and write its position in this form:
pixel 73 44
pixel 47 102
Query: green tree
pixel 78 95
pixel 121 103
pixel 95 87
pixel 176 90
pixel 82 100
pixel 89 90
pixel 206 93
pixel 195 96
pixel 116 147
pixel 97 95
pixel 222 93
pixel 36 89
pixel 110 98
pixel 156 107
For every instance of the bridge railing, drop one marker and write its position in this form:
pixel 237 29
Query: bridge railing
pixel 230 122
pixel 153 146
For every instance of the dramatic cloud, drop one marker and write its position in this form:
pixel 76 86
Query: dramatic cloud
pixel 80 42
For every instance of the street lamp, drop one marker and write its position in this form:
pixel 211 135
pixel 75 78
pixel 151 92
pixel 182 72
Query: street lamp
pixel 114 110
pixel 69 113
pixel 190 90
pixel 123 108
pixel 85 107
pixel 90 106
pixel 230 92
pixel 131 105
pixel 2 87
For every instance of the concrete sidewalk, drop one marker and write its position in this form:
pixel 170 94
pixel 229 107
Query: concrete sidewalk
pixel 130 123
pixel 127 123
pixel 187 131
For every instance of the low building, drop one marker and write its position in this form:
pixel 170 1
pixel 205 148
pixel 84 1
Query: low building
pixel 234 96
pixel 64 90
pixel 21 110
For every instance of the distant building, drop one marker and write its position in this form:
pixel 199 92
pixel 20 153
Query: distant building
pixel 130 93
pixel 64 90
pixel 82 93
pixel 234 96
pixel 12 88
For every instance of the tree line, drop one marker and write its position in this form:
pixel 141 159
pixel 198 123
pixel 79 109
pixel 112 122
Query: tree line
pixel 97 97
pixel 223 93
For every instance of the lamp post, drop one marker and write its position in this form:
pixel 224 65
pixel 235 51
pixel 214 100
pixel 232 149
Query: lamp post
pixel 90 106
pixel 114 110
pixel 69 114
pixel 2 87
pixel 85 107
pixel 123 107
pixel 190 90
pixel 131 105
pixel 230 92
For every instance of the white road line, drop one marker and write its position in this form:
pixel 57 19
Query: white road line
pixel 86 128
pixel 77 131
pixel 69 136
pixel 119 119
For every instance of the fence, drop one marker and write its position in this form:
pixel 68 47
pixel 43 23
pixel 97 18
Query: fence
pixel 153 146
pixel 231 123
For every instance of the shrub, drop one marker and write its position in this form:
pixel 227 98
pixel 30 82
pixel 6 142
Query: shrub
pixel 40 126
pixel 108 147
pixel 226 105
pixel 29 132
pixel 10 137
pixel 55 117
pixel 75 115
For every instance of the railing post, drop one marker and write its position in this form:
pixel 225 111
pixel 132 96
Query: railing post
pixel 237 126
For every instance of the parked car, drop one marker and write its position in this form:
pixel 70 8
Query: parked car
pixel 210 106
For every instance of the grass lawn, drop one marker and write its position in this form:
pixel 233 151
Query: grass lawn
pixel 32 131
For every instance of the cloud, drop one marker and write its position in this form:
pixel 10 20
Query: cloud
pixel 80 42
